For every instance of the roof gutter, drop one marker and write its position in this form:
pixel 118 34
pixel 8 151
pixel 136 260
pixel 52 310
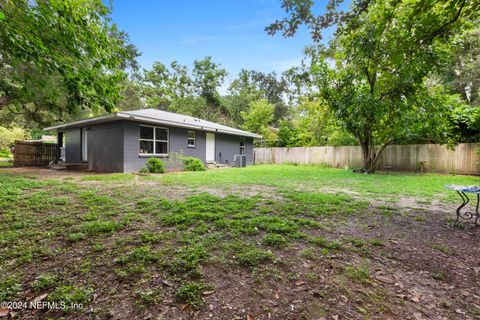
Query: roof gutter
pixel 111 116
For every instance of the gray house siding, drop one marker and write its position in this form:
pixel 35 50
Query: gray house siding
pixel 105 147
pixel 177 142
pixel 227 146
pixel 73 149
pixel 114 146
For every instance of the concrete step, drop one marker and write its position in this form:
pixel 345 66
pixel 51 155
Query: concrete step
pixel 69 166
pixel 217 165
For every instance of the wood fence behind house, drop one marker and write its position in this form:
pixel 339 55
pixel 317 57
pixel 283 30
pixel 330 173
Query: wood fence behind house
pixel 34 153
pixel 435 158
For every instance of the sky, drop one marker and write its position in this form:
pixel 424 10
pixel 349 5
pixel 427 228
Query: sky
pixel 231 31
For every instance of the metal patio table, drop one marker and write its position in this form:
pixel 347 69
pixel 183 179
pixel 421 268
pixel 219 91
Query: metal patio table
pixel 462 192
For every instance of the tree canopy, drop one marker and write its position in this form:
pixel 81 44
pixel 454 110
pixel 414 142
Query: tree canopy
pixel 372 76
pixel 59 58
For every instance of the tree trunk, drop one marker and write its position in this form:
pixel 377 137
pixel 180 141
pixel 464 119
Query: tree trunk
pixel 371 156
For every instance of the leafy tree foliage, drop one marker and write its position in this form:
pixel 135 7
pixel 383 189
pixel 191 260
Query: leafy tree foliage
pixel 208 77
pixel 260 85
pixel 59 58
pixel 177 89
pixel 259 118
pixel 9 135
pixel 463 78
pixel 372 76
pixel 162 85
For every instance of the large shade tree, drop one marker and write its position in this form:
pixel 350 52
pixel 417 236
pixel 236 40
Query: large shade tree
pixel 372 75
pixel 58 58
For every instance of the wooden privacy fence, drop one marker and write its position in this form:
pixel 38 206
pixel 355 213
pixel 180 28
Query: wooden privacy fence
pixel 34 153
pixel 434 158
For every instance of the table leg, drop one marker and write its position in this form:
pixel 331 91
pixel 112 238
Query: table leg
pixel 467 215
pixel 476 211
pixel 465 200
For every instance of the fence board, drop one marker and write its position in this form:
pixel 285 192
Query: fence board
pixel 34 153
pixel 437 158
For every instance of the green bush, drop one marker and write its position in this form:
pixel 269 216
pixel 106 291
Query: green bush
pixel 5 153
pixel 193 164
pixel 155 165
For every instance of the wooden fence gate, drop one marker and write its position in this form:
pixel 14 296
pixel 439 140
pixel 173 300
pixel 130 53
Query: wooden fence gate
pixel 34 153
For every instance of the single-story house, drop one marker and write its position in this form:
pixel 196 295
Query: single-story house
pixel 123 141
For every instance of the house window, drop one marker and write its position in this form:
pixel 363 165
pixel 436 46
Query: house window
pixel 153 140
pixel 242 145
pixel 191 139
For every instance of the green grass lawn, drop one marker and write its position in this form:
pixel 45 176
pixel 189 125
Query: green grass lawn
pixel 290 177
pixel 182 243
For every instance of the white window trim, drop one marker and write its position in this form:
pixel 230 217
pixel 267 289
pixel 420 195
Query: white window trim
pixel 244 145
pixel 154 140
pixel 194 139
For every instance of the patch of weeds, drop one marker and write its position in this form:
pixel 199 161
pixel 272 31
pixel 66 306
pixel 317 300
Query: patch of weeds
pixel 130 271
pixel 201 228
pixel 97 227
pixel 420 219
pixel 324 243
pixel 9 287
pixel 154 205
pixel 324 251
pixel 191 293
pixel 58 201
pixel 97 247
pixel 139 255
pixel 71 295
pixel 76 236
pixel 273 224
pixel 310 276
pixel 150 237
pixel 86 266
pixel 376 242
pixel 253 257
pixel 356 242
pixel 386 211
pixel 359 273
pixel 308 253
pixel 149 296
pixel 45 281
pixel 440 276
pixel 136 261
pixel 97 203
pixel 274 240
pixel 186 261
pixel 264 273
pixel 23 253
pixel 442 248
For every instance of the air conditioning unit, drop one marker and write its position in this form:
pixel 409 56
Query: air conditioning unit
pixel 240 160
